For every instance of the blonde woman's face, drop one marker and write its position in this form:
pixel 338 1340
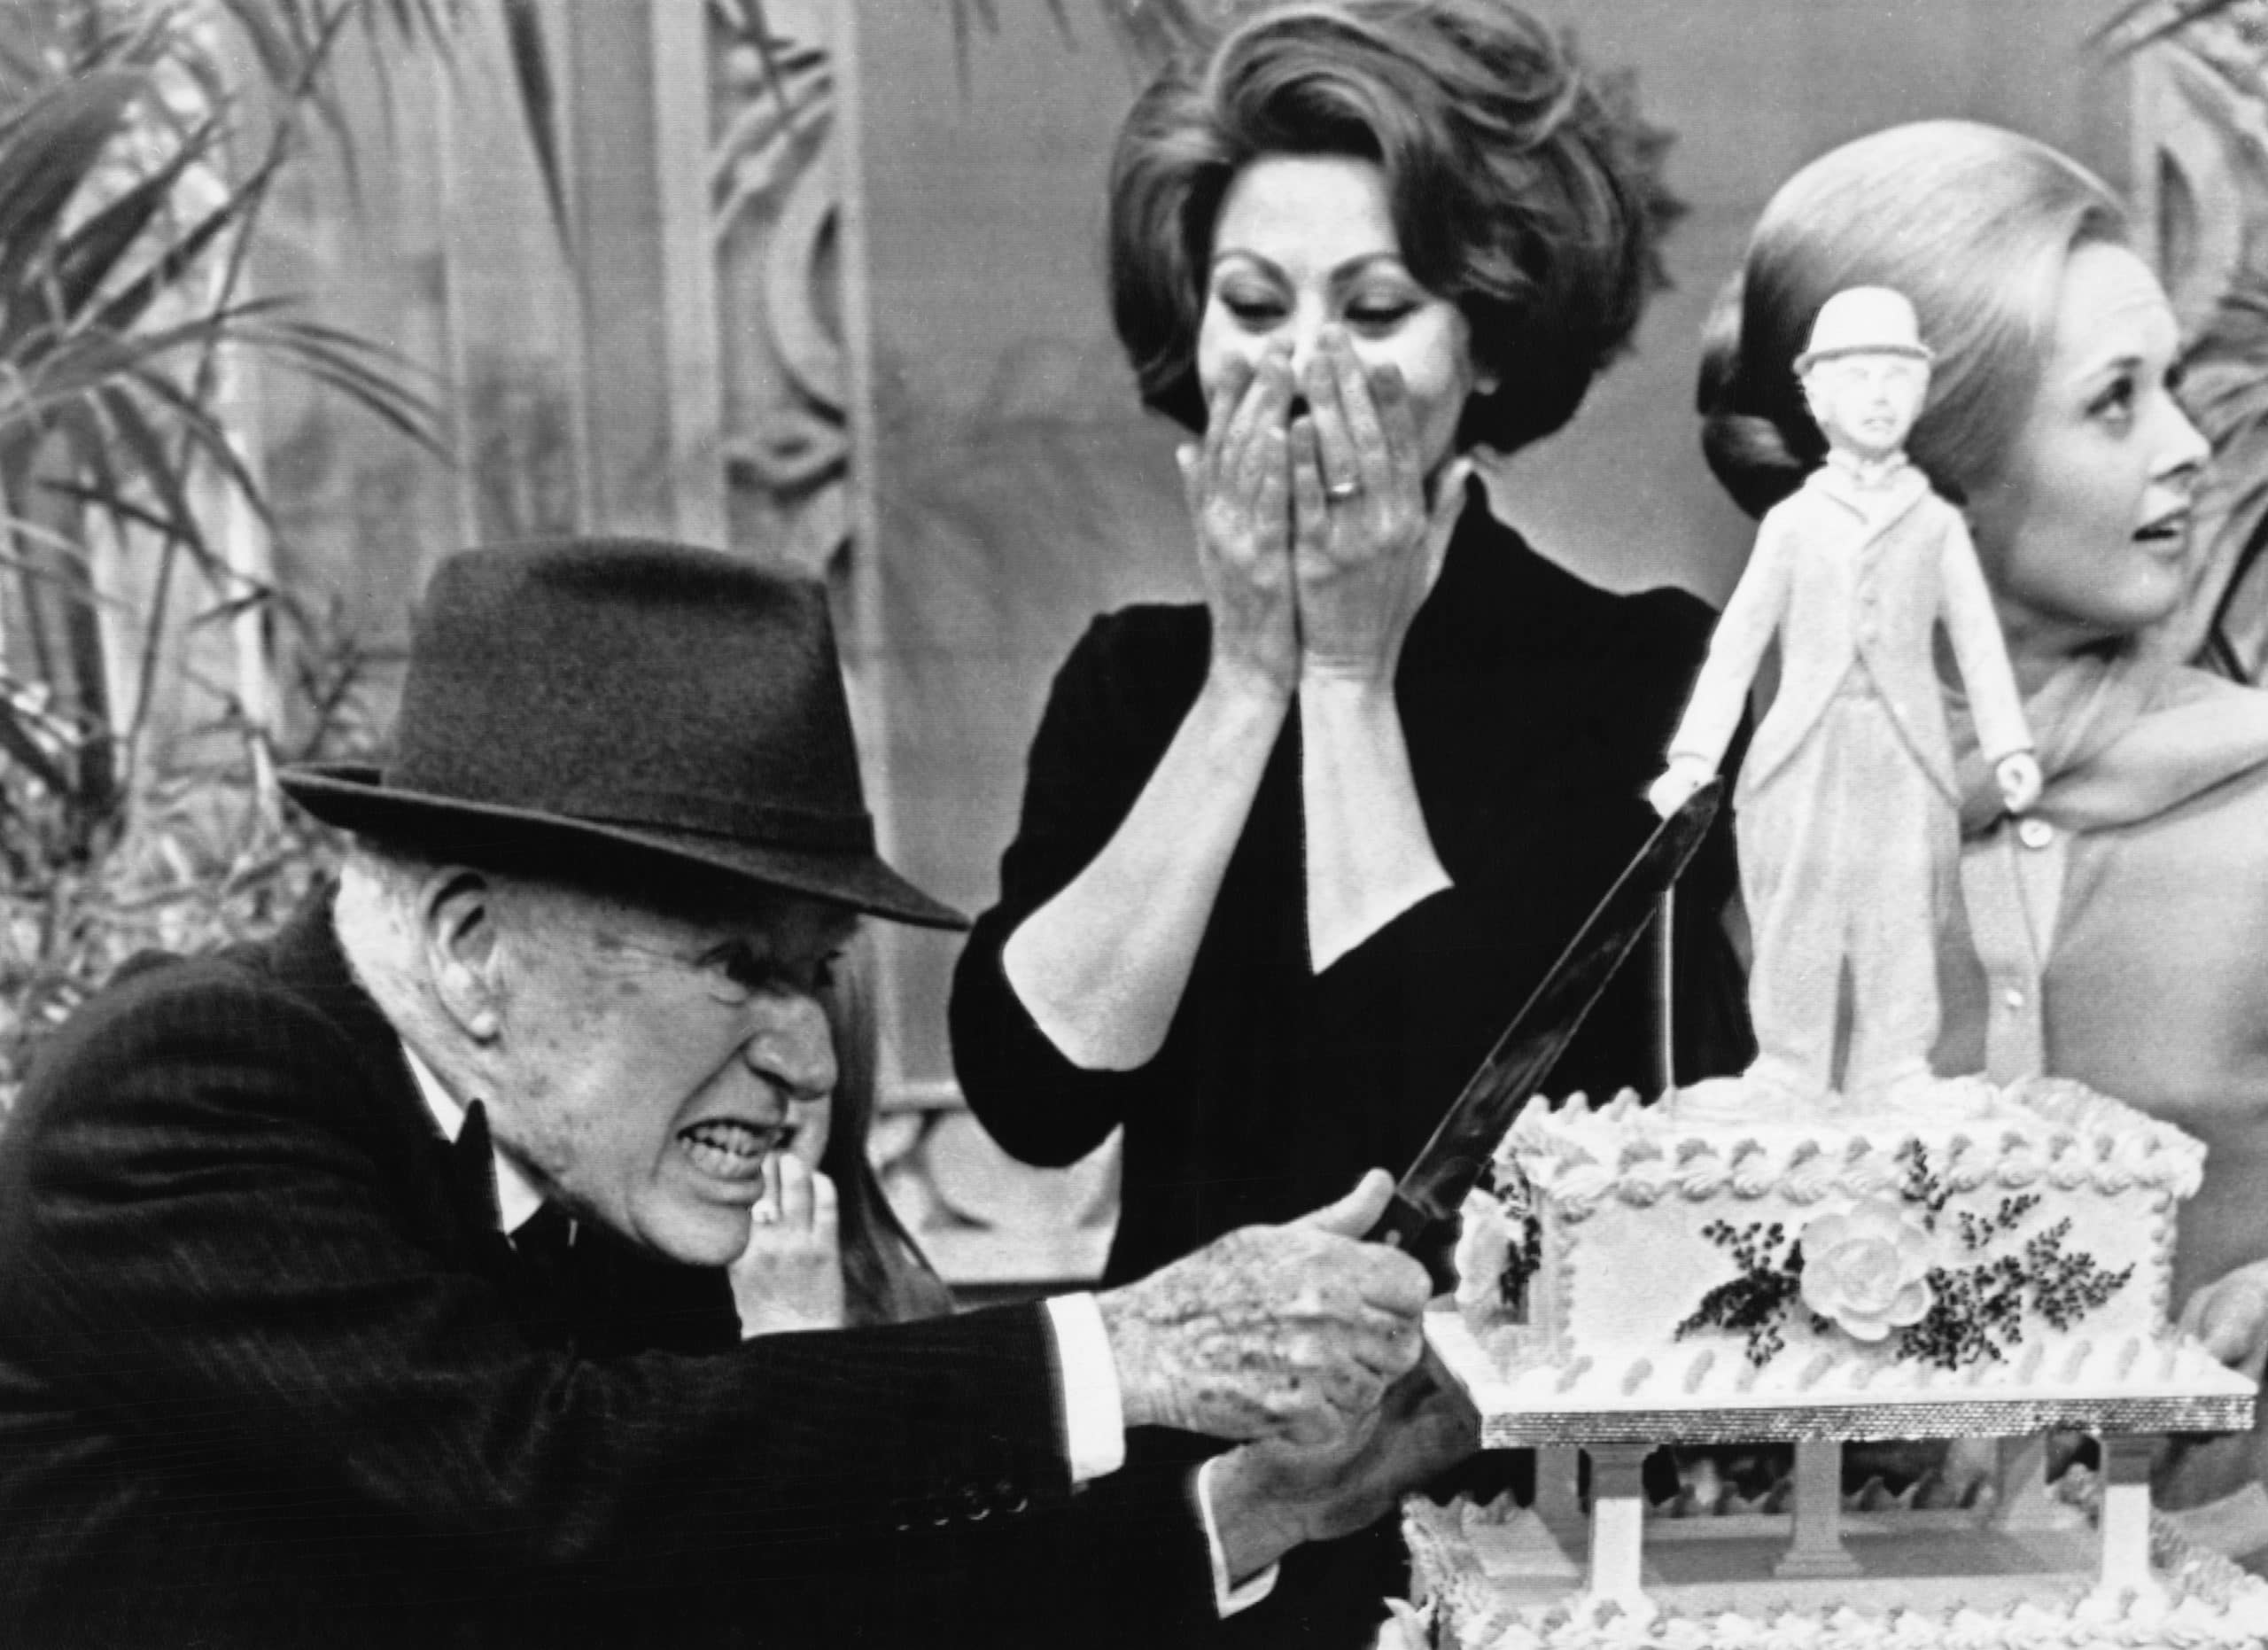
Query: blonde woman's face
pixel 1306 242
pixel 2085 534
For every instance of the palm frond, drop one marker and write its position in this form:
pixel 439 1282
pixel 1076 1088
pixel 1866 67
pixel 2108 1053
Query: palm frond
pixel 45 158
pixel 16 741
pixel 2146 22
pixel 538 100
pixel 87 257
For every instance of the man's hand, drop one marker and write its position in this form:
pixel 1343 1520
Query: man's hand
pixel 1271 1497
pixel 1290 1331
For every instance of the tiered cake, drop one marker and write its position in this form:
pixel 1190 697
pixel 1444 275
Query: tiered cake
pixel 1983 1263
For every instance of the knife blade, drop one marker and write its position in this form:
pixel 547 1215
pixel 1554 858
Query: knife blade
pixel 1421 1219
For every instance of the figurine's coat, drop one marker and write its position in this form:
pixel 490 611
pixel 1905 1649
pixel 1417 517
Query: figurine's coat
pixel 1847 800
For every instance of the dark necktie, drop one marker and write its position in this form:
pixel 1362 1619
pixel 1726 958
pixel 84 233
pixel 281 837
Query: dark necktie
pixel 542 1251
pixel 546 1248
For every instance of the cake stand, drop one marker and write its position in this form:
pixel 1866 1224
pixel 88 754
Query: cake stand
pixel 2020 1543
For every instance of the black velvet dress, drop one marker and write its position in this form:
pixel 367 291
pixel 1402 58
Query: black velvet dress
pixel 1536 709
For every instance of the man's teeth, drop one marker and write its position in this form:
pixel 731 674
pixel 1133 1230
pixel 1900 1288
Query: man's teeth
pixel 730 1149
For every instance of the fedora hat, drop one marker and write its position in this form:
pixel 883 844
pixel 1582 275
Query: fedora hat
pixel 587 699
pixel 1864 321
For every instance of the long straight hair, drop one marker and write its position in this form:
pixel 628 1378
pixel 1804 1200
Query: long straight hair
pixel 886 1277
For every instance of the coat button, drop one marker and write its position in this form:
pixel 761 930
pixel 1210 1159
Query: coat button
pixel 2013 997
pixel 2035 833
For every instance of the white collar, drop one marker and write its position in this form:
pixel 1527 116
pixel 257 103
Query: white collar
pixel 517 1196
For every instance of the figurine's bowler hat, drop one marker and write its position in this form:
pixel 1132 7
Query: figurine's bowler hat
pixel 1864 321
pixel 623 703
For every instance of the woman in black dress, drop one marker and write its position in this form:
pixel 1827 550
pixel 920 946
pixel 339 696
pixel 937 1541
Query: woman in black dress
pixel 1289 860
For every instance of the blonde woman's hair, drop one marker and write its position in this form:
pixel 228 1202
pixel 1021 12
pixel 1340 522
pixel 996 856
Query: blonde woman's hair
pixel 1974 224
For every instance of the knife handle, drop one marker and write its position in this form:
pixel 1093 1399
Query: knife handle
pixel 1429 1242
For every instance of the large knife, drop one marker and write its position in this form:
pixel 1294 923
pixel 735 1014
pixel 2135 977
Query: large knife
pixel 1422 1217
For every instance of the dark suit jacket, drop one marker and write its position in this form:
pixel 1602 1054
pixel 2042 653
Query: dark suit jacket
pixel 268 1376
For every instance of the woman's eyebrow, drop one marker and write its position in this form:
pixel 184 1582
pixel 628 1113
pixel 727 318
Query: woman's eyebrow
pixel 1362 263
pixel 1237 255
pixel 2097 367
pixel 1340 274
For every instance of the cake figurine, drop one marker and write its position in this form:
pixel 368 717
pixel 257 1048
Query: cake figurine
pixel 1848 831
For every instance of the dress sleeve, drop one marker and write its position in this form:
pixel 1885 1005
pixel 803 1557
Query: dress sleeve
pixel 1115 708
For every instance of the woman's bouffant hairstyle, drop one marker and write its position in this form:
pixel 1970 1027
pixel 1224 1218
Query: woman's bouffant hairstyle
pixel 1522 190
pixel 1973 224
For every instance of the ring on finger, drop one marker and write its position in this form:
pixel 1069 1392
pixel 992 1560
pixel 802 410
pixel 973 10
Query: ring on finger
pixel 1340 492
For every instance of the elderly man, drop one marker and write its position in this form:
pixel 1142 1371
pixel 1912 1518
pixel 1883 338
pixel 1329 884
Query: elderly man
pixel 374 1284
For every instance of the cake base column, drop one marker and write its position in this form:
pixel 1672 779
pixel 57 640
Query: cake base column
pixel 2125 1516
pixel 1618 1522
pixel 1817 1549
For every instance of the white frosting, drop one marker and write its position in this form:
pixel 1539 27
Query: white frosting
pixel 1464 1551
pixel 1628 1196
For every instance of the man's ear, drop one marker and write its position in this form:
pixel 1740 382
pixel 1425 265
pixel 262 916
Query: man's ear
pixel 457 917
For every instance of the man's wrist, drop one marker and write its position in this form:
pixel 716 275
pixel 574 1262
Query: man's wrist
pixel 1126 1335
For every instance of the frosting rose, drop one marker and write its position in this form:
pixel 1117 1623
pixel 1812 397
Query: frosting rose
pixel 1867 1269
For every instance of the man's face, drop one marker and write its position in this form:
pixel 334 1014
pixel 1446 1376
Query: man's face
pixel 1865 404
pixel 647 1064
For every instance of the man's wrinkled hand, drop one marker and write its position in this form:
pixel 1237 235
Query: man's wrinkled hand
pixel 1272 1495
pixel 1271 1332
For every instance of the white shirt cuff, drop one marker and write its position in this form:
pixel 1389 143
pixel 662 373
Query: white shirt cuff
pixel 1094 1414
pixel 1229 1597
